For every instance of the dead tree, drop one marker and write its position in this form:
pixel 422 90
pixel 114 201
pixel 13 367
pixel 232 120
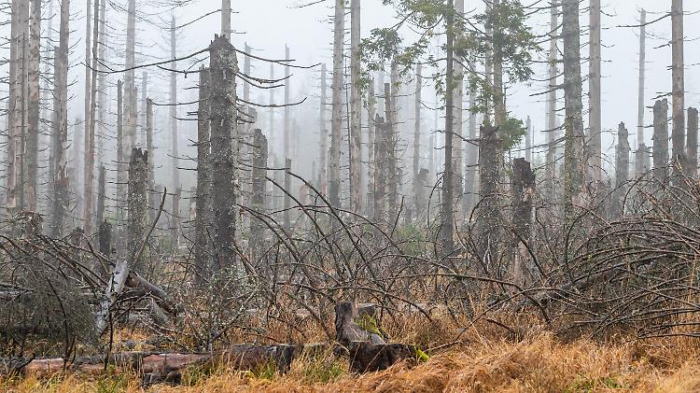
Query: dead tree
pixel 552 95
pixel 129 80
pixel 151 168
pixel 137 201
pixel 448 176
pixel 489 219
pixel 287 200
pixel 660 139
pixel 678 93
pixel 226 19
pixel 523 195
pixel 528 140
pixel 101 194
pixel 622 164
pixel 472 152
pixel 574 159
pixel 355 110
pixel 371 142
pixel 144 111
pixel 89 169
pixel 32 150
pixel 257 227
pixel 692 143
pixel 380 168
pixel 175 179
pixel 641 154
pixel 121 171
pixel 391 142
pixel 203 216
pixel 323 154
pixel 594 100
pixel 224 150
pixel 336 103
pixel 418 186
pixel 458 117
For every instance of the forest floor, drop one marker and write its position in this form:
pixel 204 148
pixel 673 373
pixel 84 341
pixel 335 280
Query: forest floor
pixel 539 363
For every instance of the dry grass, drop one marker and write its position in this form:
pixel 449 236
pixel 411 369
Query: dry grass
pixel 538 364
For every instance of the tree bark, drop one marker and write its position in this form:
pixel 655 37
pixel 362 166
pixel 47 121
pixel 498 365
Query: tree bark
pixel 641 154
pixel 323 160
pixel 121 171
pixel 418 186
pixel 661 140
pixel 678 75
pixel 622 165
pixel 446 211
pixel 552 96
pixel 336 103
pixel 101 195
pixel 355 110
pixel 89 168
pixel 129 81
pixel 594 101
pixel 371 143
pixel 523 196
pixel 692 143
pixel 458 143
pixel 226 18
pixel 34 106
pixel 137 200
pixel 224 149
pixel 260 154
pixel 203 215
pixel 472 152
pixel 175 179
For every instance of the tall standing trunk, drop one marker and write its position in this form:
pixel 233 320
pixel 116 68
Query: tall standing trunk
pixel 472 152
pixel 418 187
pixel 323 154
pixel 594 102
pixel 271 133
pixel 355 110
pixel 45 94
pixel 286 216
pixel 458 143
pixel 574 160
pixel 522 205
pixel 692 143
pixel 138 177
pixel 175 178
pixel 246 70
pixel 129 81
pixel 151 168
pixel 678 93
pixel 101 195
pixel 528 140
pixel 257 227
pixel 371 142
pixel 380 168
pixel 390 91
pixel 552 97
pixel 102 92
pixel 226 18
pixel 89 169
pixel 32 152
pixel 622 170
pixel 60 125
pixel 660 140
pixel 641 154
pixel 121 170
pixel 446 211
pixel 224 151
pixel 144 111
pixel 336 103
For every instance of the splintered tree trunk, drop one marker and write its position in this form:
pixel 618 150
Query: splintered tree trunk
pixel 371 142
pixel 489 219
pixel 89 169
pixel 380 168
pixel 203 216
pixel 175 179
pixel 622 170
pixel 257 228
pixel 224 150
pixel 323 154
pixel 594 102
pixel 640 156
pixel 336 103
pixel 446 211
pixel 523 196
pixel 34 107
pixel 418 186
pixel 678 74
pixel 552 96
pixel 660 156
pixel 574 162
pixel 355 110
pixel 138 177
pixel 528 140
pixel 60 126
pixel 692 142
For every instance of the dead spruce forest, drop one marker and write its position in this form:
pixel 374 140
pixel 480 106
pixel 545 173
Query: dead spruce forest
pixel 175 209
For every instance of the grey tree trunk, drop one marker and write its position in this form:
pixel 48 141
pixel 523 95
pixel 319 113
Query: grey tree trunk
pixel 448 182
pixel 355 110
pixel 224 151
pixel 286 216
pixel 144 114
pixel 129 82
pixel 622 169
pixel 489 218
pixel 151 168
pixel 382 130
pixel 287 199
pixel 472 158
pixel 257 228
pixel 371 142
pixel 34 130
pixel 323 160
pixel 175 179
pixel 60 126
pixel 246 70
pixel 418 186
pixel 523 196
pixel 678 75
pixel 102 85
pixel 394 177
pixel 574 160
pixel 137 201
pixel 458 143
pixel 660 139
pixel 121 171
pixel 692 143
pixel 640 156
pixel 101 195
pixel 552 96
pixel 336 103
pixel 528 140
pixel 89 169
pixel 45 94
pixel 226 18
pixel 594 101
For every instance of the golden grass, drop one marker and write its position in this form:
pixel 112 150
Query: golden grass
pixel 538 364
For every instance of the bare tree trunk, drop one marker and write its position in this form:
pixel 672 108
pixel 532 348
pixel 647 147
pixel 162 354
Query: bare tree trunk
pixel 271 134
pixel 175 179
pixel 323 164
pixel 226 18
pixel 394 177
pixel 552 96
pixel 678 74
pixel 458 143
pixel 661 140
pixel 246 70
pixel 418 187
pixel 144 114
pixel 45 94
pixel 355 110
pixel 371 142
pixel 34 107
pixel 523 195
pixel 337 114
pixel 101 195
pixel 151 168
pixel 89 168
pixel 640 156
pixel 622 169
pixel 447 212
pixel 138 177
pixel 224 150
pixel 286 216
pixel 60 180
pixel 380 167
pixel 287 199
pixel 692 142
pixel 489 217
pixel 472 158
pixel 203 216
pixel 528 140
pixel 594 101
pixel 257 228
pixel 102 92
pixel 129 81
pixel 121 171
pixel 574 160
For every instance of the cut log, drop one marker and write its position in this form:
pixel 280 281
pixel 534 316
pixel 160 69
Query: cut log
pixel 348 320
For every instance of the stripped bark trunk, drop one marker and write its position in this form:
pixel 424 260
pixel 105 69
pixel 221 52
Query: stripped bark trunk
pixel 151 168
pixel 260 154
pixel 287 199
pixel 472 152
pixel 678 93
pixel 446 211
pixel 336 103
pixel 622 164
pixel 34 130
pixel 394 178
pixel 552 97
pixel 692 143
pixel 102 85
pixel 121 173
pixel 528 140
pixel 286 216
pixel 380 168
pixel 101 195
pixel 323 154
pixel 224 150
pixel 523 196
pixel 89 168
pixel 355 110
pixel 175 179
pixel 371 142
pixel 144 112
pixel 129 81
pixel 661 140
pixel 458 143
pixel 138 199
pixel 45 94
pixel 594 101
pixel 418 186
pixel 640 156
pixel 226 18
pixel 203 216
